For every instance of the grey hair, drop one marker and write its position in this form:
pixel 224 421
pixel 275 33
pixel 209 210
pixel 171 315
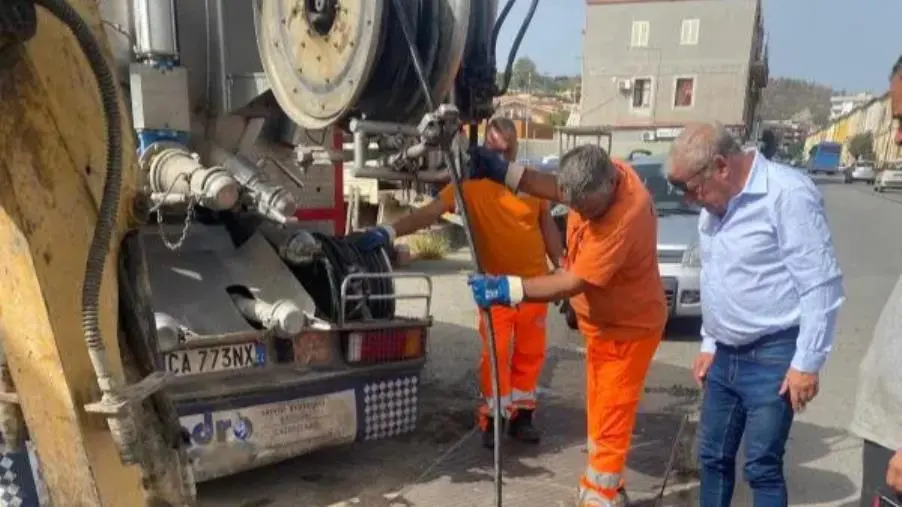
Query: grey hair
pixel 897 68
pixel 585 170
pixel 504 125
pixel 698 144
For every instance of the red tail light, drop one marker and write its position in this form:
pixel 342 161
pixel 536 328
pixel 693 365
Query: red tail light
pixel 384 345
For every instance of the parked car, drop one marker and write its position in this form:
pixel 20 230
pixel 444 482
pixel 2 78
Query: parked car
pixel 889 178
pixel 861 171
pixel 678 258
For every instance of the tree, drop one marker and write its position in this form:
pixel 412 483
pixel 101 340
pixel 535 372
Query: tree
pixel 523 73
pixel 862 145
pixel 795 151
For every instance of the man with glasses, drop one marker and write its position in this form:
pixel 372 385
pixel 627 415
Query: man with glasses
pixel 878 412
pixel 611 277
pixel 771 290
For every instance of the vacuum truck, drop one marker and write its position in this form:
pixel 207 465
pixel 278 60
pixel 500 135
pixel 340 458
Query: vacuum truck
pixel 248 321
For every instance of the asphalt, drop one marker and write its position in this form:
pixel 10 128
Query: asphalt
pixel 442 464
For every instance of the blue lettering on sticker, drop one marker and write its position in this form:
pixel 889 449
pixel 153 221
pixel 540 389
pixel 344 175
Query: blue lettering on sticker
pixel 217 431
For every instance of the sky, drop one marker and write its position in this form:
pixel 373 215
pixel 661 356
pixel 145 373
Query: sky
pixel 846 44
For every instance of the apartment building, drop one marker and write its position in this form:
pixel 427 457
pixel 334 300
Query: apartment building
pixel 651 66
pixel 844 104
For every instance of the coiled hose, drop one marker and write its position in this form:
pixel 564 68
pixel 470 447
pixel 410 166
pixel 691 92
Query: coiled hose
pixel 340 257
pixel 122 428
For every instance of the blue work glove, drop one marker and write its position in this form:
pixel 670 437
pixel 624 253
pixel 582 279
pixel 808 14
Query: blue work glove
pixel 488 164
pixel 491 290
pixel 373 238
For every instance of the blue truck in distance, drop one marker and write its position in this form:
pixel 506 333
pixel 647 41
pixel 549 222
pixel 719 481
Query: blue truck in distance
pixel 824 158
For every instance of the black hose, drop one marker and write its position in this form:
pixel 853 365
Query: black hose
pixel 454 169
pixel 340 257
pixel 123 433
pixel 109 201
pixel 509 70
pixel 496 30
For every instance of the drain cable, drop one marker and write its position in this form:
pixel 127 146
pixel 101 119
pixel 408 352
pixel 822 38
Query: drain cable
pixel 454 167
pixel 122 429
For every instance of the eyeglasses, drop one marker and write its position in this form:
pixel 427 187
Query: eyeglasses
pixel 682 186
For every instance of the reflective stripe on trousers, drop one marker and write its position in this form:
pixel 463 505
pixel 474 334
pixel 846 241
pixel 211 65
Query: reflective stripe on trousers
pixel 589 497
pixel 615 376
pixel 520 344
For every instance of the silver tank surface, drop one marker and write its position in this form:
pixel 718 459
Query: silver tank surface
pixel 155 34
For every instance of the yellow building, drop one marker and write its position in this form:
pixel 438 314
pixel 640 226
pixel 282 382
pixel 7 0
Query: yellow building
pixel 875 117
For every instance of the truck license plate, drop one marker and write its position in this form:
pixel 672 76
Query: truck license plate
pixel 206 360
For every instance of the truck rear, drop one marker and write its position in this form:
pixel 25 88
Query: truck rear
pixel 824 158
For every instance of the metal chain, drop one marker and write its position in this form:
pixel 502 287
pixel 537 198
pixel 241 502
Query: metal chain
pixel 189 217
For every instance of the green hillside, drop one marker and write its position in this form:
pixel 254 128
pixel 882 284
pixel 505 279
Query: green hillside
pixel 785 97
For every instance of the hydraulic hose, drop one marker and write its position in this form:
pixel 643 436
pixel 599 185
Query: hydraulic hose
pixel 123 431
pixel 515 48
pixel 464 216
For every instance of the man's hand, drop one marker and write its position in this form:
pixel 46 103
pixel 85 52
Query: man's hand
pixel 802 388
pixel 373 238
pixel 491 290
pixel 894 472
pixel 700 367
pixel 487 164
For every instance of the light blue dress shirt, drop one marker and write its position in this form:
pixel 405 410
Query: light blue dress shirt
pixel 768 265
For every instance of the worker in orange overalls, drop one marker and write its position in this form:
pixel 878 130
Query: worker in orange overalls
pixel 611 277
pixel 513 234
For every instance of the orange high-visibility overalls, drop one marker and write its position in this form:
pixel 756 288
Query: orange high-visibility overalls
pixel 622 317
pixel 508 241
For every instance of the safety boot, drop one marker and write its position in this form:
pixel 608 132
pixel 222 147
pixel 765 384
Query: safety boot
pixel 591 498
pixel 488 432
pixel 522 429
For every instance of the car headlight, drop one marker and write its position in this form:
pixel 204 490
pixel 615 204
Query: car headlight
pixel 692 258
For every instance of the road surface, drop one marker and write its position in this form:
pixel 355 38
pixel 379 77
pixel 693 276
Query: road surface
pixel 442 465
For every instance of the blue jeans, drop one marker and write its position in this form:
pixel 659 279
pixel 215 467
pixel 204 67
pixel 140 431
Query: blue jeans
pixel 742 396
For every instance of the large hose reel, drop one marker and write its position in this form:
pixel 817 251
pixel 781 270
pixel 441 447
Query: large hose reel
pixel 328 60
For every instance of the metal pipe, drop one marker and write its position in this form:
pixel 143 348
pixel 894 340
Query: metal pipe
pixel 225 96
pixel 155 32
pixel 382 128
pixel 272 201
pixel 360 149
pixel 381 173
pixel 283 317
pixel 172 170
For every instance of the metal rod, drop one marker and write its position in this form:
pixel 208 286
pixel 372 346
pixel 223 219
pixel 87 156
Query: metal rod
pixel 454 167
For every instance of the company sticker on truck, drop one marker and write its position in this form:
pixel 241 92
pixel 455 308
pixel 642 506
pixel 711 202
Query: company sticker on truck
pixel 229 441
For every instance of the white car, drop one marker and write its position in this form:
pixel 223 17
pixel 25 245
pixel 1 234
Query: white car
pixel 890 178
pixel 862 171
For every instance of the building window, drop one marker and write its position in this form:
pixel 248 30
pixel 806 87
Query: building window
pixel 641 93
pixel 684 92
pixel 639 37
pixel 689 32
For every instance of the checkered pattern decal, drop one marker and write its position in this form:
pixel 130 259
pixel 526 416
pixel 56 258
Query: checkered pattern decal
pixel 390 407
pixel 17 484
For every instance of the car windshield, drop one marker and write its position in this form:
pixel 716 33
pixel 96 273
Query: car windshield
pixel 668 200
